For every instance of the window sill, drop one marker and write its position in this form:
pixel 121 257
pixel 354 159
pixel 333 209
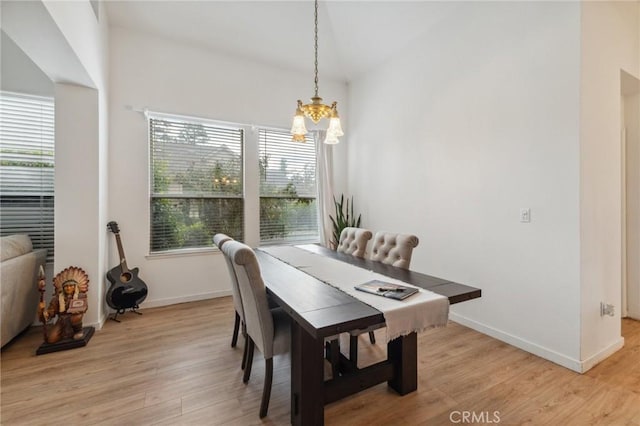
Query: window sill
pixel 205 251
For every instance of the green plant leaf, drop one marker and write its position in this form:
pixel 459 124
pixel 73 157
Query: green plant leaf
pixel 344 217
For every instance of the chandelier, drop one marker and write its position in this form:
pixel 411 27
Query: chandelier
pixel 316 110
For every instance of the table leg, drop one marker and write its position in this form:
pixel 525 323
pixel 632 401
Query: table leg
pixel 403 353
pixel 307 378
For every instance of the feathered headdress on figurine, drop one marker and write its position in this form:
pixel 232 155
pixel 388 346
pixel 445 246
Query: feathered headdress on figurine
pixel 70 276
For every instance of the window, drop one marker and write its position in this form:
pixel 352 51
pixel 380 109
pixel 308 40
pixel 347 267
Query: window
pixel 27 168
pixel 205 179
pixel 288 209
pixel 196 183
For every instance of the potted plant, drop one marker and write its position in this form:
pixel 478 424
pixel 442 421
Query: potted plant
pixel 344 218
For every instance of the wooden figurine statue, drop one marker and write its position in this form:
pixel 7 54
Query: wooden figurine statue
pixel 42 287
pixel 68 304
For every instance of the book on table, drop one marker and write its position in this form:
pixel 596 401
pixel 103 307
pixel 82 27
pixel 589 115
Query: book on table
pixel 387 289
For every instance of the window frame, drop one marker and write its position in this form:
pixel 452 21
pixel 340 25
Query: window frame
pixel 309 239
pixel 157 196
pixel 251 185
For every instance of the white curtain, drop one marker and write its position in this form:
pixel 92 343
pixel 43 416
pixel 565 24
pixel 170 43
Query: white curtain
pixel 324 178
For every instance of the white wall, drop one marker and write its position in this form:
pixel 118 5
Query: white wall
pixel 167 76
pixel 451 137
pixel 32 28
pixel 88 38
pixel 19 73
pixel 84 34
pixel 76 181
pixel 609 44
pixel 69 45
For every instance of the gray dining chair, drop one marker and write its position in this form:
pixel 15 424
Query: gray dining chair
pixel 219 240
pixel 391 249
pixel 354 241
pixel 267 329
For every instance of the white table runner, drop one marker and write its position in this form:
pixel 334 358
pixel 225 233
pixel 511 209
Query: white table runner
pixel 418 312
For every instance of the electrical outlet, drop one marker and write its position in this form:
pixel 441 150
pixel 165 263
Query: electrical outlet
pixel 525 215
pixel 607 309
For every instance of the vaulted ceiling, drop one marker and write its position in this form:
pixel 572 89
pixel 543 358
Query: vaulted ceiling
pixel 353 35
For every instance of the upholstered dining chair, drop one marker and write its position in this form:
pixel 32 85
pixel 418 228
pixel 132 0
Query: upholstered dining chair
pixel 354 241
pixel 267 329
pixel 219 240
pixel 391 249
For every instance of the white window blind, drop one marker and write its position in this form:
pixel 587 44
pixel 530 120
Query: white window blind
pixel 288 191
pixel 197 188
pixel 27 168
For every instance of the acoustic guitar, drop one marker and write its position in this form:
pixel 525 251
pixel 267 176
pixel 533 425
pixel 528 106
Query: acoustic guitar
pixel 127 290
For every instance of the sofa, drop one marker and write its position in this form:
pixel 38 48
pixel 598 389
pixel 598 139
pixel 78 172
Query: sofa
pixel 19 266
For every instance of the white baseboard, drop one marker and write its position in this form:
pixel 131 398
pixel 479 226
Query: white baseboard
pixel 165 302
pixel 191 298
pixel 548 354
pixel 633 311
pixel 97 325
pixel 593 360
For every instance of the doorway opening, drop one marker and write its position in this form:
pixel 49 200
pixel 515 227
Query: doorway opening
pixel 630 148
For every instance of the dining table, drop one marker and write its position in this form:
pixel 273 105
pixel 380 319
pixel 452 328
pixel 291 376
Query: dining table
pixel 319 310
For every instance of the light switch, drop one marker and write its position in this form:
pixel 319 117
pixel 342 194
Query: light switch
pixel 525 215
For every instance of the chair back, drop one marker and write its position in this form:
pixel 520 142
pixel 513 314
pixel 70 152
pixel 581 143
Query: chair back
pixel 257 316
pixel 353 241
pixel 393 249
pixel 219 240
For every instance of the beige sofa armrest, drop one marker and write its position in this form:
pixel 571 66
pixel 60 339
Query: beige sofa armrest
pixel 19 293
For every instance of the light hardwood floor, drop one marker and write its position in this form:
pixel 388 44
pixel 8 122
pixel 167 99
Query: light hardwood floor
pixel 174 366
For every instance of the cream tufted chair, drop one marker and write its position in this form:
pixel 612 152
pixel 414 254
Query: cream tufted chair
pixel 393 249
pixel 353 241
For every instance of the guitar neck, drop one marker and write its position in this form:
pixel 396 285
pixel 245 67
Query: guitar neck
pixel 123 259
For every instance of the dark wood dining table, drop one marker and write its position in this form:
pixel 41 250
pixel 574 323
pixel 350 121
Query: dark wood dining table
pixel 319 310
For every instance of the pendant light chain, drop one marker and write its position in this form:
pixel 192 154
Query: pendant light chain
pixel 316 47
pixel 316 110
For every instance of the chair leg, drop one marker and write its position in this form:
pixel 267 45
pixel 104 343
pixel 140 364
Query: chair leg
pixel 353 349
pixel 266 392
pixel 247 368
pixel 245 351
pixel 236 327
pixel 372 338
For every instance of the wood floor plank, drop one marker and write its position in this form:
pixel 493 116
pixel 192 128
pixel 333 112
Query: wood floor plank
pixel 174 366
